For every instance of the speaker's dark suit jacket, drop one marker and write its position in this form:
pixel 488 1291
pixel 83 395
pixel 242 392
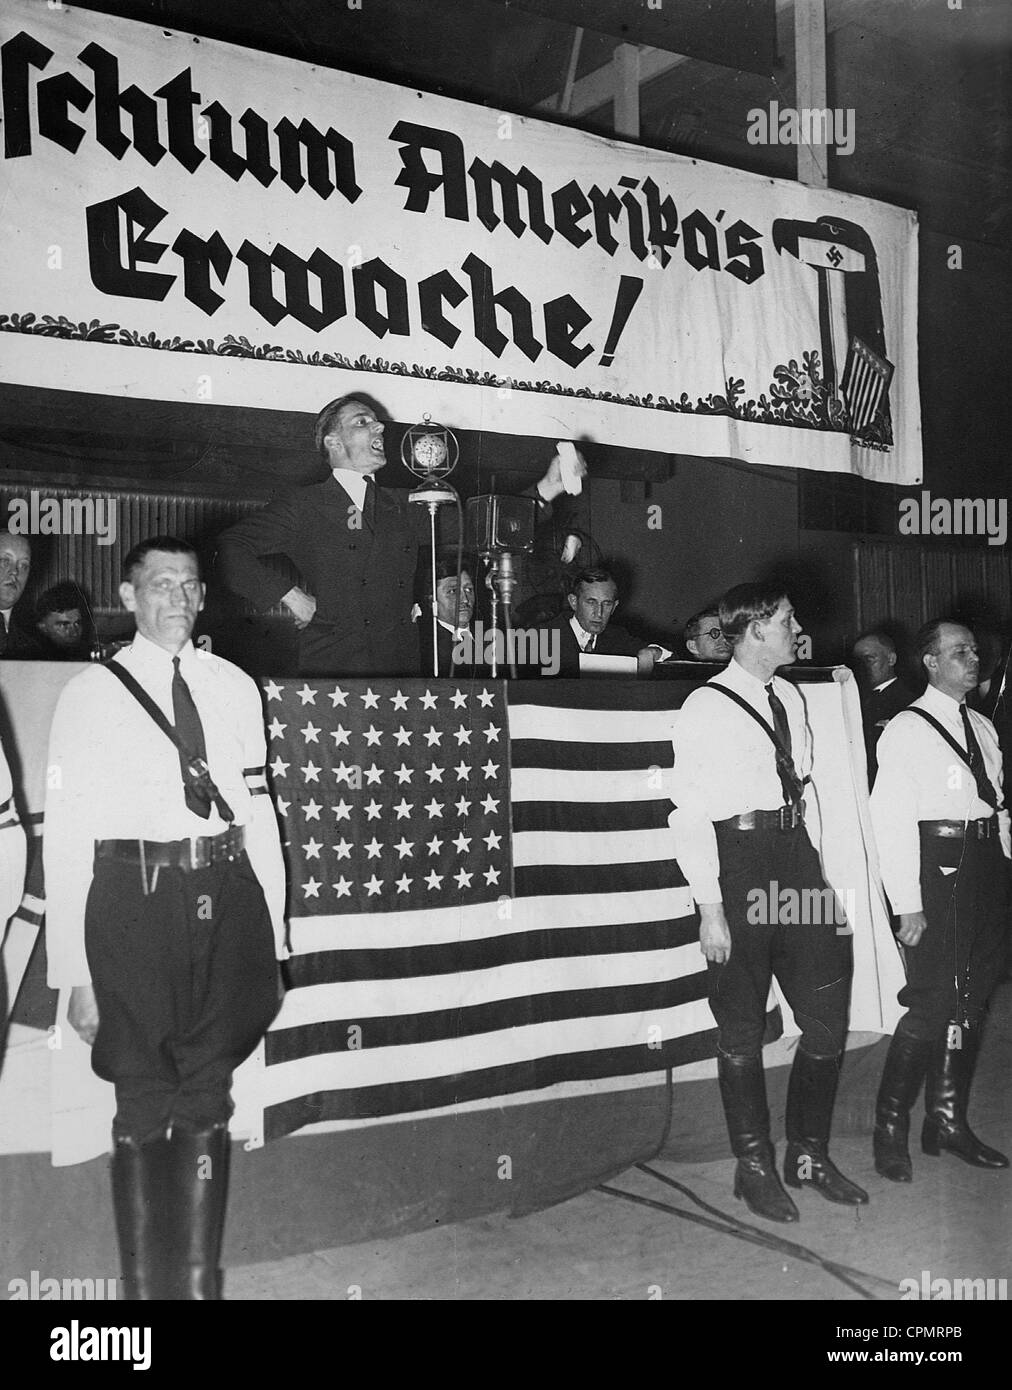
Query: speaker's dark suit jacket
pixel 361 576
pixel 613 641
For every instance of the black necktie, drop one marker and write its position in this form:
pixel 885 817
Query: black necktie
pixel 199 793
pixel 791 783
pixel 590 645
pixel 985 790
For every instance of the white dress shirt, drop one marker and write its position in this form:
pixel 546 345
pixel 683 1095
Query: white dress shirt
pixel 114 775
pixel 583 637
pixel 725 765
pixel 921 778
pixel 13 852
pixel 355 485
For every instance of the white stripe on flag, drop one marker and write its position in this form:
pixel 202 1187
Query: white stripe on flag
pixel 339 1071
pixel 590 725
pixel 592 846
pixel 425 994
pixel 513 916
pixel 549 784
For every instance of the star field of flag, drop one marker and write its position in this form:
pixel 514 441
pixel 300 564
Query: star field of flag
pixel 390 796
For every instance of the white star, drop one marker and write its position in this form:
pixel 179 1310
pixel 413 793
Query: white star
pixel 493 840
pixel 490 805
pixel 311 849
pixel 399 701
pixel 404 883
pixel 311 888
pixel 340 735
pixel 463 878
pixel 312 810
pixel 432 735
pixel 373 735
pixel 490 768
pixel 338 697
pixel 343 886
pixel 311 772
pixel 373 809
pixel 373 775
pixel 307 696
pixel 276 729
pixel 404 774
pixel 403 736
pixel 373 885
pixel 370 700
pixel 404 848
pixel 434 808
pixel 279 767
pixel 274 691
pixel 434 845
pixel 491 876
pixel 343 849
pixel 403 809
pixel 486 699
pixel 463 771
pixel 428 700
pixel 463 807
pixel 434 880
pixel 434 773
pixel 459 699
pixel 282 805
pixel 342 810
pixel 373 848
pixel 344 773
pixel 492 733
pixel 310 732
pixel 463 843
pixel 462 735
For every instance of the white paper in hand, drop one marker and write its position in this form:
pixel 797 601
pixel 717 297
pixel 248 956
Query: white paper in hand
pixel 569 467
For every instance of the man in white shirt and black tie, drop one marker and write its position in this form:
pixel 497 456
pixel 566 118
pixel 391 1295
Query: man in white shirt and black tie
pixel 942 832
pixel 742 761
pixel 165 893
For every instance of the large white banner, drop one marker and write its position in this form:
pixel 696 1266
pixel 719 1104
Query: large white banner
pixel 187 220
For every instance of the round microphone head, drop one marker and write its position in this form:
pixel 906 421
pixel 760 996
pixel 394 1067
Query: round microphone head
pixel 429 450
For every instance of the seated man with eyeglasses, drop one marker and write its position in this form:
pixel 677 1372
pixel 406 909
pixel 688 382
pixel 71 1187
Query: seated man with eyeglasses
pixel 705 640
pixel 586 626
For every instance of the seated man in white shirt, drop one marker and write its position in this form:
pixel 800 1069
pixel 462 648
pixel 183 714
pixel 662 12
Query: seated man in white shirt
pixel 742 757
pixel 587 627
pixel 942 832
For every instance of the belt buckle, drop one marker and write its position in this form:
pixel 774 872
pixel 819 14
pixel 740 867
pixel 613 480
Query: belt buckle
pixel 782 822
pixel 195 856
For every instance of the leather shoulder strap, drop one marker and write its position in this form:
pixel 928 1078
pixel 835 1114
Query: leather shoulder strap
pixel 147 704
pixel 939 729
pixel 749 709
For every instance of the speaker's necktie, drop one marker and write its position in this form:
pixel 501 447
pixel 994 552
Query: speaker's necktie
pixel 197 784
pixel 985 790
pixel 793 788
pixel 592 643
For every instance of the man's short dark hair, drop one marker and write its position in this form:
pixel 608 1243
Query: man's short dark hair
pixel 927 637
pixel 596 575
pixel 61 598
pixel 748 603
pixel 327 417
pixel 170 545
pixel 446 566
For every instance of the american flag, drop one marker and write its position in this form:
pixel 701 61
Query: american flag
pixel 865 384
pixel 483 899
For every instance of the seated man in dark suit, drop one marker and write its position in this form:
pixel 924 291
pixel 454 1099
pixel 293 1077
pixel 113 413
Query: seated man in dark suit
pixel 883 693
pixel 453 613
pixel 15 564
pixel 61 617
pixel 587 626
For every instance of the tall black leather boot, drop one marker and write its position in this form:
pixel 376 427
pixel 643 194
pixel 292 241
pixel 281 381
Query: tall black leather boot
pixel 743 1091
pixel 950 1075
pixel 200 1160
pixel 811 1092
pixel 140 1198
pixel 905 1065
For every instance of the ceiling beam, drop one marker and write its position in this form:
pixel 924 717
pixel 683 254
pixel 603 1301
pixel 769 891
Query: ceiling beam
pixel 597 88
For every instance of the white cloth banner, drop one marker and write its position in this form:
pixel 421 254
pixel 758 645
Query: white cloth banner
pixel 187 220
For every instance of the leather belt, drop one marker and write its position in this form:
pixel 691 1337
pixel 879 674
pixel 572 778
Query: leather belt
pixel 199 853
pixel 784 818
pixel 984 829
